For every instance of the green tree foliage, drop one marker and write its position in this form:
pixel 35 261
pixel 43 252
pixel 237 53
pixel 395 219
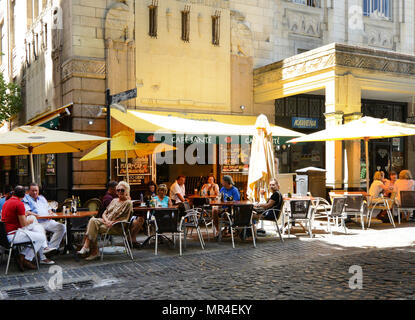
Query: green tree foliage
pixel 10 99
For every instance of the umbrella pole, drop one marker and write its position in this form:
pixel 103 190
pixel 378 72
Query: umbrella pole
pixel 367 163
pixel 32 171
pixel 126 166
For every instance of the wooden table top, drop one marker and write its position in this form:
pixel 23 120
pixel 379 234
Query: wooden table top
pixel 345 193
pixel 230 203
pixel 150 208
pixel 193 196
pixel 298 198
pixel 79 214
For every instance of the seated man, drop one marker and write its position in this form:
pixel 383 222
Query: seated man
pixel 178 190
pixel 23 229
pixel 274 202
pixel 38 206
pixel 230 193
pixel 110 194
pixel 118 210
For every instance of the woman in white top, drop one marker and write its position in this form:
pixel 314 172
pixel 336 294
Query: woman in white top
pixel 210 188
pixel 404 183
pixel 375 191
pixel 377 186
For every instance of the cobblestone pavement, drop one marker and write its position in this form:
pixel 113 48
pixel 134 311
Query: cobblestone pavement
pixel 300 268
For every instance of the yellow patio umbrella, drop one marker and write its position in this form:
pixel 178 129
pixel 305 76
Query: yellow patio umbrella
pixel 30 140
pixel 123 146
pixel 261 163
pixel 365 128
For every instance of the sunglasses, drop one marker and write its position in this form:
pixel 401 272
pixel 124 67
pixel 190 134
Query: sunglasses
pixel 120 190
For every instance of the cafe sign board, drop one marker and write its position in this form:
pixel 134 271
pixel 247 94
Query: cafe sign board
pixel 304 123
pixel 136 166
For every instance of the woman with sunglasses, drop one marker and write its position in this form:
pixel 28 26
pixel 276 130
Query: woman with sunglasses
pixel 118 210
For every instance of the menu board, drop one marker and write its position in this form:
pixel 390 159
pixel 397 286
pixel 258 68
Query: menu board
pixel 234 159
pixel 138 168
pixel 136 179
pixel 50 165
pixel 22 165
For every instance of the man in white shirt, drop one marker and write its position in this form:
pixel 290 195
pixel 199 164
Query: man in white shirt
pixel 177 190
pixel 38 206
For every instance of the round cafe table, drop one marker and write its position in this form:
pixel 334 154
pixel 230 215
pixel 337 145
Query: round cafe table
pixel 69 247
pixel 146 212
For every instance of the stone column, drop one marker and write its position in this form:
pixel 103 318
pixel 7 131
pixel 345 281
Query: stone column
pixel 334 153
pixel 410 147
pixel 343 96
pixel 352 165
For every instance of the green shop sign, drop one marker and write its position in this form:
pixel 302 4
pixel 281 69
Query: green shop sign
pixel 200 139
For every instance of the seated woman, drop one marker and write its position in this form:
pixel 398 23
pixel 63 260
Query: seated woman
pixel 210 188
pixel 390 183
pixel 404 183
pixel 162 201
pixel 376 189
pixel 118 210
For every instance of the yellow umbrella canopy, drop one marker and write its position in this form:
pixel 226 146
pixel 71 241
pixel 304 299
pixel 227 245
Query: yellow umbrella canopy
pixel 365 128
pixel 30 140
pixel 261 163
pixel 123 146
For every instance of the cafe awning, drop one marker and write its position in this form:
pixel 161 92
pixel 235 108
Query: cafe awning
pixel 49 120
pixel 194 123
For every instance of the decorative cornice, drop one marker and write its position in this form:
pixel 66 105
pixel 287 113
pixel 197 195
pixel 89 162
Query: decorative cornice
pixel 83 67
pixel 332 56
pixel 224 4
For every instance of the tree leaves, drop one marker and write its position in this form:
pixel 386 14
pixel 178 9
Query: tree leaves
pixel 10 99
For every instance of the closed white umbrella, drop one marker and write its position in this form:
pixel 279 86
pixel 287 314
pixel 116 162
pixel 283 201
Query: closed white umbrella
pixel 261 163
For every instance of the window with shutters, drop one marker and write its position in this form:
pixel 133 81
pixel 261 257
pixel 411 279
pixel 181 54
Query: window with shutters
pixel 186 24
pixel 216 28
pixel 152 11
pixel 378 8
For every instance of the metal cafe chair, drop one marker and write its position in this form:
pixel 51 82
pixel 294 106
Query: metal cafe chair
pixel 354 206
pixel 300 210
pixel 335 212
pixel 241 218
pixel 382 204
pixel 320 206
pixel 4 242
pixel 201 205
pixel 114 230
pixel 277 218
pixel 191 220
pixel 93 204
pixel 166 220
pixel 407 203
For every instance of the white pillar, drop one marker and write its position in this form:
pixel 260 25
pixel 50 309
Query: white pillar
pixel 334 150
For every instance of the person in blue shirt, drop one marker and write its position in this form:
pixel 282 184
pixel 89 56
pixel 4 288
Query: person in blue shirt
pixel 37 205
pixel 7 195
pixel 230 193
